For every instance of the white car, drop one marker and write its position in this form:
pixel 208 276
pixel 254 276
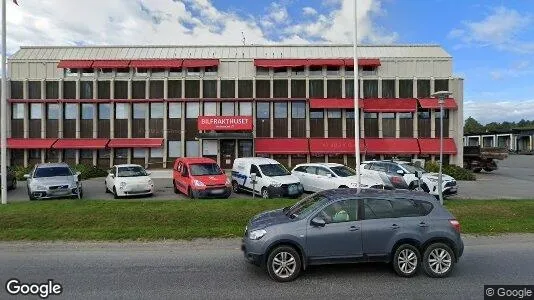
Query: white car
pixel 317 177
pixel 129 180
pixel 429 181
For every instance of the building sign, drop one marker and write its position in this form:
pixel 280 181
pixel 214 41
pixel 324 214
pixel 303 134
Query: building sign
pixel 225 123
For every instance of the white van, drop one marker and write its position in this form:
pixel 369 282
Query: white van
pixel 272 179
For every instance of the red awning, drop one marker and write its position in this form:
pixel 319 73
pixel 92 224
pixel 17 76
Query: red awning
pixel 334 103
pixel 200 63
pixel 75 64
pixel 334 146
pixel 156 63
pixel 81 144
pixel 281 146
pixel 450 103
pixel 363 62
pixel 135 143
pixel 431 146
pixel 390 105
pixel 16 143
pixel 391 146
pixel 280 63
pixel 111 64
pixel 326 62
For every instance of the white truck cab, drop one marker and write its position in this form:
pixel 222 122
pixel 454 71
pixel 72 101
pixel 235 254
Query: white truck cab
pixel 272 178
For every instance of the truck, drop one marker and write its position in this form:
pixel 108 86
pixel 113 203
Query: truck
pixel 478 158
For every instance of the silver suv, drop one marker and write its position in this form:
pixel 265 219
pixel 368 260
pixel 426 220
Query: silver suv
pixel 410 230
pixel 53 180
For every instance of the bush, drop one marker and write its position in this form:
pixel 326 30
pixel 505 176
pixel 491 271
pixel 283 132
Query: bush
pixel 90 171
pixel 454 171
pixel 20 171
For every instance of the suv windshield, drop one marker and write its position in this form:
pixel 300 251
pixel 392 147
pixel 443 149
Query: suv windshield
pixel 133 171
pixel 52 172
pixel 205 169
pixel 413 168
pixel 343 171
pixel 305 206
pixel 272 170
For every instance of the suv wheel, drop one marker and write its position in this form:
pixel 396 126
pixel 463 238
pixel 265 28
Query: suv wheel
pixel 235 187
pixel 406 260
pixel 283 264
pixel 176 191
pixel 265 193
pixel 438 260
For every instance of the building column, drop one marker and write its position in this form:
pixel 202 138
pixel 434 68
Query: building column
pixel 414 87
pixel 182 127
pixel 307 121
pixel 289 119
pixel 271 116
pixel 415 125
pixel 43 114
pixel 165 121
pixel 379 87
pixel 380 127
pixel 95 119
pixel 397 125
pixel 432 123
pixel 147 120
pixel 432 85
pixel 397 86
pixel 111 128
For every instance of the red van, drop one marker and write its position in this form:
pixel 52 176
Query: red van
pixel 199 177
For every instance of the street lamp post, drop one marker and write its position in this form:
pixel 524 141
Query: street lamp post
pixel 441 101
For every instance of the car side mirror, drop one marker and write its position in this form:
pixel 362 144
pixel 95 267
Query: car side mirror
pixel 400 172
pixel 27 176
pixel 318 222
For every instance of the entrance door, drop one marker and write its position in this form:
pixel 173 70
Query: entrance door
pixel 227 153
pixel 245 148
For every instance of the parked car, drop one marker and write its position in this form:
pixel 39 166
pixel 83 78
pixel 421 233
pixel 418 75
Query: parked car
pixel 199 177
pixel 11 179
pixel 317 177
pixel 410 230
pixel 53 180
pixel 129 180
pixel 428 181
pixel 272 179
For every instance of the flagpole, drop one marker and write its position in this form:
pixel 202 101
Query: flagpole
pixel 356 99
pixel 3 108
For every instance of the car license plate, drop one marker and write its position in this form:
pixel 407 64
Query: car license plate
pixel 217 191
pixel 60 192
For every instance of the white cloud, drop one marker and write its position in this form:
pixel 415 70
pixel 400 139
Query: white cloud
pixel 309 11
pixel 123 22
pixel 499 111
pixel 498 29
pixel 517 69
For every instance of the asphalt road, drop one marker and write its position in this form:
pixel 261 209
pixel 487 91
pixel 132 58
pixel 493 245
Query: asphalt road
pixel 215 269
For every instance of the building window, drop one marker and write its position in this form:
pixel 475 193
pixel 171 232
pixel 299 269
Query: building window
pixel 210 109
pixel 192 71
pixel 405 115
pixel 349 88
pixel 122 111
pixel 370 88
pixel 138 89
pixel 298 110
pixel 227 109
pixel 209 89
pixel 175 110
pixel 157 72
pixel 349 114
pixel 174 149
pixel 334 114
pixel 280 89
pixel 52 111
pixel 245 108
pixel 105 72
pixel 104 91
pixel 17 88
pixel 69 154
pixel 298 71
pixel 280 110
pixel 156 89
pixel 87 72
pixel 388 88
pixel 192 149
pixel 298 88
pixel 210 71
pixel 316 71
pixel 227 88
pixel 388 115
pixel 263 89
pixel 441 85
pixel 263 110
pixel 34 89
pixel 141 72
pixel 139 153
pixel 445 114
pixel 316 114
pixel 123 72
pixel 332 70
pixel 156 110
pixel 52 90
pixel 333 89
pixel 121 153
pixel 316 89
pixel 156 152
pixel 35 153
pixel 192 110
pixel 103 153
pixel 406 88
pixel 423 114
pixel 87 111
pixel 69 90
pixel 370 115
pixel 87 154
pixel 260 71
pixel 174 89
pixel 104 111
pixel 71 111
pixel 244 88
pixel 121 90
pixel 17 111
pixel 140 110
pixel 423 88
pixel 280 72
pixel 36 111
pixel 86 90
pixel 175 72
pixel 69 72
pixel 192 89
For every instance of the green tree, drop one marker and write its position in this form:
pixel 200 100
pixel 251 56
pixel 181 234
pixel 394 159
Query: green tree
pixel 472 126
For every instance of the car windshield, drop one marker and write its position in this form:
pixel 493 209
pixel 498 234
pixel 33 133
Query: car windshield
pixel 272 170
pixel 205 169
pixel 413 168
pixel 132 171
pixel 305 206
pixel 343 171
pixel 52 172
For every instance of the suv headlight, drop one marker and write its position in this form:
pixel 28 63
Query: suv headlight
pixel 257 234
pixel 276 184
pixel 122 184
pixel 198 183
pixel 150 182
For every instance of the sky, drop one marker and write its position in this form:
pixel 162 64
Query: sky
pixel 492 42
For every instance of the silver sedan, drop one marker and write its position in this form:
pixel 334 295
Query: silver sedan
pixel 53 180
